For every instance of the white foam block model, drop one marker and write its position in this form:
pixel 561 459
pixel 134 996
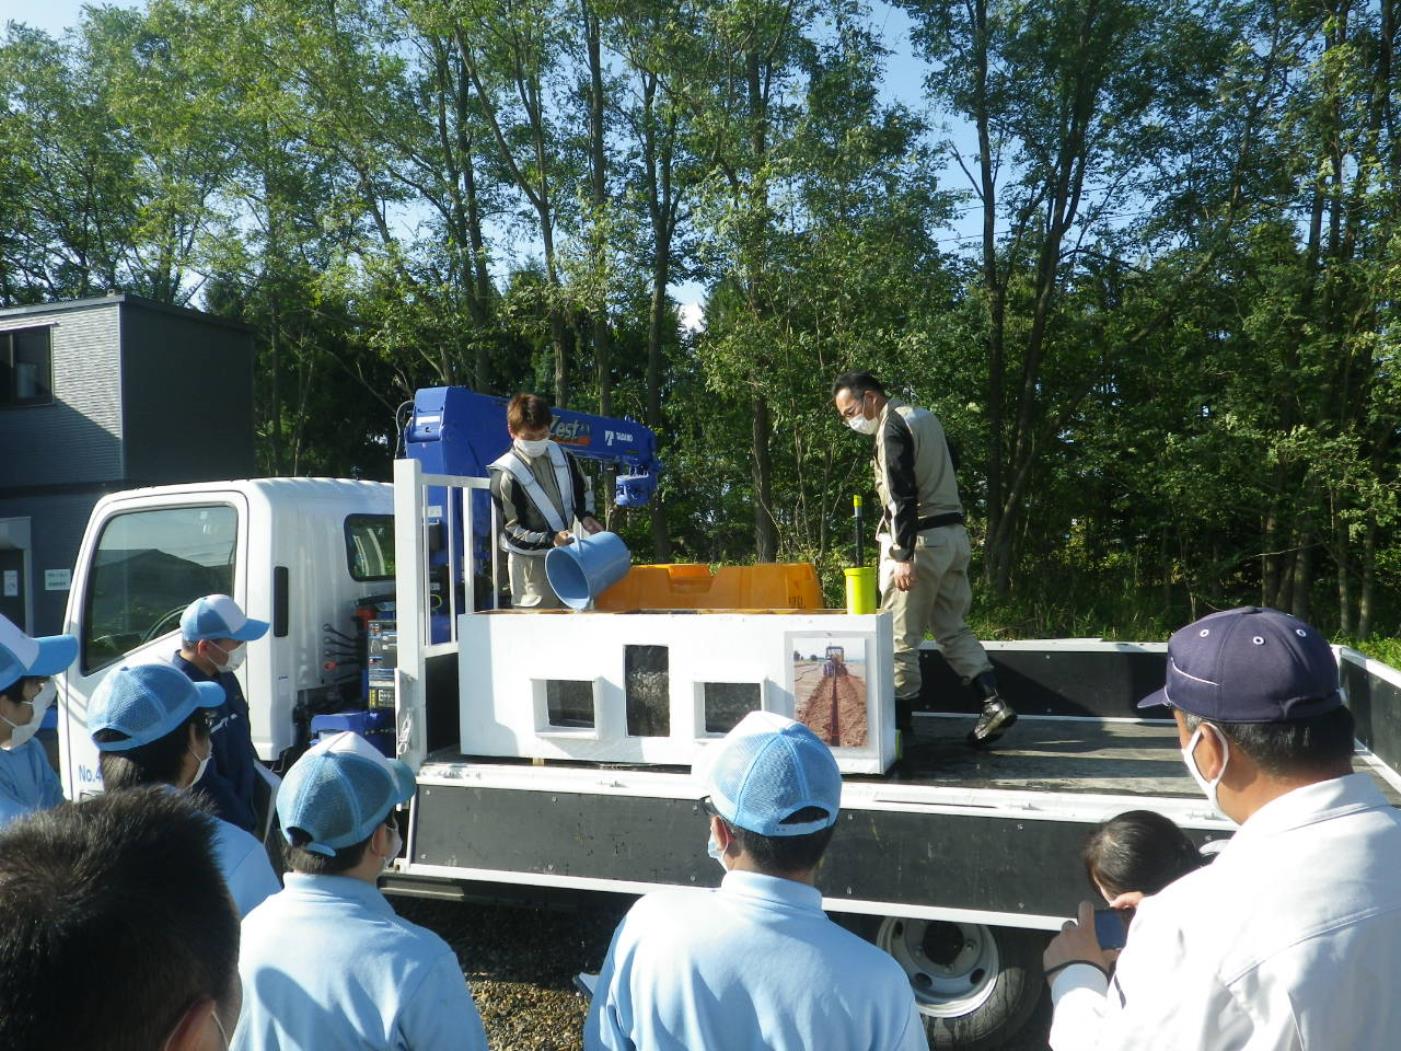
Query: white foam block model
pixel 657 687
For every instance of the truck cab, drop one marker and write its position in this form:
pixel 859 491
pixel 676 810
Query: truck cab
pixel 299 553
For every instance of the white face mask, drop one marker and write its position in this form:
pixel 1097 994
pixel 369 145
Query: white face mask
pixel 713 848
pixel 1209 788
pixel 203 763
pixel 20 733
pixel 860 424
pixel 532 448
pixel 233 659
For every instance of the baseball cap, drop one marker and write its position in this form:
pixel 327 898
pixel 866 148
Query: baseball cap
pixel 1249 665
pixel 767 769
pixel 339 791
pixel 145 702
pixel 22 654
pixel 219 617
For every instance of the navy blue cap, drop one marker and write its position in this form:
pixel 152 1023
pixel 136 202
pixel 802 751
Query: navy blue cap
pixel 1249 665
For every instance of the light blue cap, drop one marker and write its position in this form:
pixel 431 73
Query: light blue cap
pixel 339 791
pixel 766 770
pixel 145 702
pixel 219 617
pixel 22 655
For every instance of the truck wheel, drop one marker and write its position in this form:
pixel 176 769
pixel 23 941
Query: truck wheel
pixel 975 986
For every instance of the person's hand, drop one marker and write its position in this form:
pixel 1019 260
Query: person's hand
pixel 1076 943
pixel 564 536
pixel 1130 900
pixel 592 524
pixel 904 576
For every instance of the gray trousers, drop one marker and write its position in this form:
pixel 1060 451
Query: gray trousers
pixel 937 603
pixel 530 587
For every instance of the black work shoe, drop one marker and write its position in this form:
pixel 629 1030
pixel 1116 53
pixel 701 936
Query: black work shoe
pixel 997 718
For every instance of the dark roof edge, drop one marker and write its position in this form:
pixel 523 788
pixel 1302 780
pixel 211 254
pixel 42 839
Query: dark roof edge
pixel 140 302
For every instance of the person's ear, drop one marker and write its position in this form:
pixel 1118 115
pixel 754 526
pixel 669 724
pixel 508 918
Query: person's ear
pixel 1210 752
pixel 382 842
pixel 721 832
pixel 196 1030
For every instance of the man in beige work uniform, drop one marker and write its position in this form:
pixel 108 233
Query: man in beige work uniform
pixel 924 549
pixel 539 492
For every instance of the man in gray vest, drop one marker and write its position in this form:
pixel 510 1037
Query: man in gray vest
pixel 539 492
pixel 924 550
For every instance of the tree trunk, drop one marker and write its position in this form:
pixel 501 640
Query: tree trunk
pixel 765 531
pixel 1369 564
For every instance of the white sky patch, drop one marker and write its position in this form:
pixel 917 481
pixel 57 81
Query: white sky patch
pixel 692 317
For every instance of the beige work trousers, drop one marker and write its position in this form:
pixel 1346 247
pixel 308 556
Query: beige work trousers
pixel 530 587
pixel 937 603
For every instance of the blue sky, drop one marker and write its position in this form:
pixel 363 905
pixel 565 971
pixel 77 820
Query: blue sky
pixel 903 81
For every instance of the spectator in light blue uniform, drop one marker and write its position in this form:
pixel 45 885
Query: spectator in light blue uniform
pixel 151 725
pixel 27 781
pixel 755 964
pixel 327 963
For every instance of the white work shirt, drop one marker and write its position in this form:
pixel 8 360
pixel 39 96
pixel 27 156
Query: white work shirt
pixel 245 865
pixel 1291 938
pixel 753 965
pixel 27 781
pixel 327 964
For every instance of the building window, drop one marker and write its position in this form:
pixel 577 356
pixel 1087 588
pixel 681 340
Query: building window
pixel 26 367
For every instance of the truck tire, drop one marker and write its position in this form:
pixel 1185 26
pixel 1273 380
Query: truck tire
pixel 975 986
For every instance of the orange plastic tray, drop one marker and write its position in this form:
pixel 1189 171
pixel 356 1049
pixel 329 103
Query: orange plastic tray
pixel 792 585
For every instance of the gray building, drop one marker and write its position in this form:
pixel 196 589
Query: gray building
pixel 98 395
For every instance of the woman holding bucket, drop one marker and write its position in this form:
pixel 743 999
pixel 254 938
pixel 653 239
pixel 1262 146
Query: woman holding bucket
pixel 539 491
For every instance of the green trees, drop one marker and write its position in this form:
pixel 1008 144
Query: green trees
pixel 1143 259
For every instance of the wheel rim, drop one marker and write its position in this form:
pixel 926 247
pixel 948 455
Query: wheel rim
pixel 952 967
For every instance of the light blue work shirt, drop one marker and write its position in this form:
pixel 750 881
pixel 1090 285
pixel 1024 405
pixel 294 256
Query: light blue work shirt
pixel 245 865
pixel 327 964
pixel 753 965
pixel 27 781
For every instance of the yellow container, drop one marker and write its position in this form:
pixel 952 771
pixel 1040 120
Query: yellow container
pixel 781 586
pixel 860 590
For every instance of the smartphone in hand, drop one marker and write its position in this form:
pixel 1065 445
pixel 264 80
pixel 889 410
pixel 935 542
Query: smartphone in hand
pixel 1112 928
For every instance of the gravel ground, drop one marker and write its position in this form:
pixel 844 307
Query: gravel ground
pixel 521 965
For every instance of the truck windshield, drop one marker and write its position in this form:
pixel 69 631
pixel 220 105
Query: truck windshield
pixel 149 565
pixel 369 546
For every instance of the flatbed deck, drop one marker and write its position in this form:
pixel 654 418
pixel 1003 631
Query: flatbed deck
pixel 1059 754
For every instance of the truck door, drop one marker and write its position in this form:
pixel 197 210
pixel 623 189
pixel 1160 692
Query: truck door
pixel 141 563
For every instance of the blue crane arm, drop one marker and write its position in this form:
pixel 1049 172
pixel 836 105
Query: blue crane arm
pixel 454 430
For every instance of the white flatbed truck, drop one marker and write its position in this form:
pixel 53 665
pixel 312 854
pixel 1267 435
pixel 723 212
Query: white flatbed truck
pixel 959 865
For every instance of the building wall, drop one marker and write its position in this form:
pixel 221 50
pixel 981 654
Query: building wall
pixel 56 521
pixel 188 396
pixel 77 439
pixel 143 395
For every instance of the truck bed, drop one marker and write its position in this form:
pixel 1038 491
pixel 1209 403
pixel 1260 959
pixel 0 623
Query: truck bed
pixel 950 833
pixel 1060 754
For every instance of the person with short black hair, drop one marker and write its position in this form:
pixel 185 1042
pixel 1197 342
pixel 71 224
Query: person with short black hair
pixel 327 963
pixel 27 665
pixel 116 929
pixel 539 492
pixel 1138 852
pixel 214 638
pixel 1291 938
pixel 150 723
pixel 755 964
pixel 924 549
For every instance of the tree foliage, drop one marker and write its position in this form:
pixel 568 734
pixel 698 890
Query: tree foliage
pixel 1143 259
